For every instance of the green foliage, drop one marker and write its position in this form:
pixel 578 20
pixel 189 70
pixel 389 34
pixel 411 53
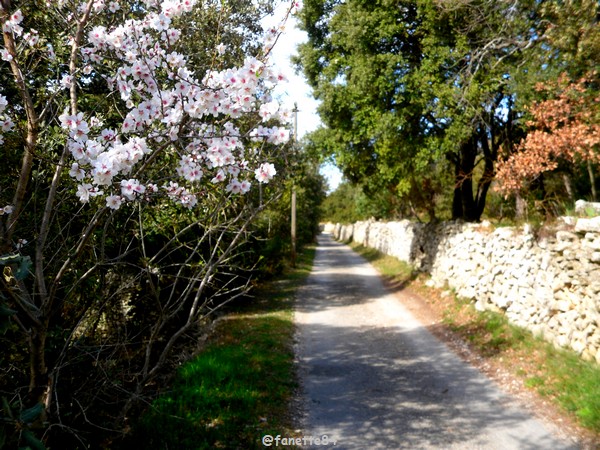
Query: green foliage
pixel 23 422
pixel 271 232
pixel 350 203
pixel 21 265
pixel 341 205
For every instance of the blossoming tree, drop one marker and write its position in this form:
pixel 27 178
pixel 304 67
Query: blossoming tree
pixel 130 169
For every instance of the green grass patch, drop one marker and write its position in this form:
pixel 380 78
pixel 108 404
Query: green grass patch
pixel 558 374
pixel 488 332
pixel 240 386
pixel 575 384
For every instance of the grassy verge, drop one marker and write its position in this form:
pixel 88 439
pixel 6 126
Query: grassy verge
pixel 557 374
pixel 240 386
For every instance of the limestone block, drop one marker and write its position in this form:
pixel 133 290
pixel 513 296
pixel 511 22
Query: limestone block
pixel 568 220
pixel 589 354
pixel 504 302
pixel 537 330
pixel 480 305
pixel 563 305
pixel 584 207
pixel 583 225
pixel 578 346
pixel 594 339
pixel 562 341
pixel 592 241
pixel 582 323
pixel 467 292
pixel 566 236
pixel 550 335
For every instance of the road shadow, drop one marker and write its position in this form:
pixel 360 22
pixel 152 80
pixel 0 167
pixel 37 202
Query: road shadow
pixel 389 383
pixel 388 387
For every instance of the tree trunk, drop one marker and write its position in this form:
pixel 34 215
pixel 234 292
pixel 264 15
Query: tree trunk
pixel 592 176
pixel 464 205
pixel 38 370
pixel 490 153
pixel 457 206
pixel 520 207
pixel 568 186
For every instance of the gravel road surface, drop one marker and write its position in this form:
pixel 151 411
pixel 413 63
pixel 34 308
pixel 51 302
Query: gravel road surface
pixel 373 377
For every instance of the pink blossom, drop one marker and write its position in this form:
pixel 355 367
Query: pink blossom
pixel 130 188
pixel 234 186
pixel 84 192
pixel 66 81
pixel 77 172
pixel 167 108
pixel 265 173
pixel 114 201
pixel 220 176
pixel 16 17
pixel 6 124
pixel 5 55
pixel 245 186
pixel 21 243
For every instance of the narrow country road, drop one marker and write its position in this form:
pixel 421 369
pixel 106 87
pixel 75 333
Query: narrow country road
pixel 374 378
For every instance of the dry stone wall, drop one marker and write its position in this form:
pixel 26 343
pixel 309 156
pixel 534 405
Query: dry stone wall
pixel 547 282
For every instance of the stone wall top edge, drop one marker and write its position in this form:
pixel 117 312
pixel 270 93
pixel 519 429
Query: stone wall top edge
pixel 580 226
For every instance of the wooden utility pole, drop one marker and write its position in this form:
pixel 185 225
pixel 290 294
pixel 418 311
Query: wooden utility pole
pixel 293 227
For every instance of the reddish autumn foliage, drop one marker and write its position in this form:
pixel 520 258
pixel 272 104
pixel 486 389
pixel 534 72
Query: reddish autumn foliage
pixel 564 128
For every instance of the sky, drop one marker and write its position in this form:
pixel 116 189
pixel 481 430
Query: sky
pixel 296 90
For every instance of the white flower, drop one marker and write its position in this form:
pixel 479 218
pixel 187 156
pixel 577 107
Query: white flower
pixel 77 172
pixel 51 53
pixel 5 55
pixel 66 81
pixel 130 188
pixel 220 176
pixel 160 22
pixel 267 110
pixel 114 201
pixel 265 173
pixel 245 186
pixel 6 124
pixel 234 186
pixel 84 192
pixel 16 17
pixel 31 37
pixel 3 103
